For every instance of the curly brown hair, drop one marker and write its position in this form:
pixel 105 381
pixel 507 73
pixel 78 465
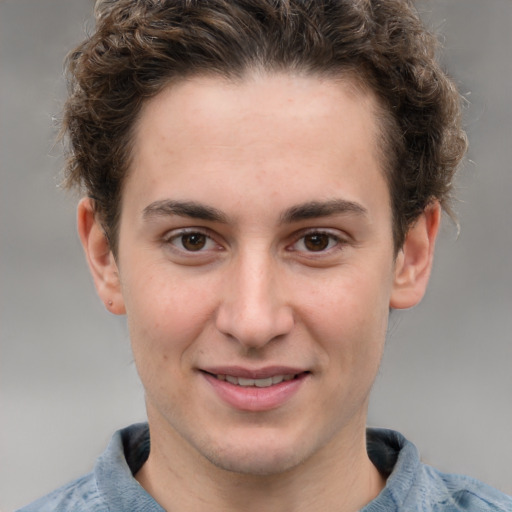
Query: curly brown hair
pixel 140 46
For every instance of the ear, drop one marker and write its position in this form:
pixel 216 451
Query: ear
pixel 414 261
pixel 100 258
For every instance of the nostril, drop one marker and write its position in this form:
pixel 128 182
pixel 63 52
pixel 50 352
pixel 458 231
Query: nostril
pixel 254 327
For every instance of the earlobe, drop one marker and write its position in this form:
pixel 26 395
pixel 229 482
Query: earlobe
pixel 414 261
pixel 99 257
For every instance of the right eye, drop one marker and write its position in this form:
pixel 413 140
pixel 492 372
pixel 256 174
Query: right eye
pixel 191 241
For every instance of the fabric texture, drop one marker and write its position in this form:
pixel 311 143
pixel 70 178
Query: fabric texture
pixel 411 485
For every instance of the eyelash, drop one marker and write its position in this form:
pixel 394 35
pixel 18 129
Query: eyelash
pixel 334 242
pixel 172 237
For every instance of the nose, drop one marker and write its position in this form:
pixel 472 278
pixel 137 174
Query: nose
pixel 253 309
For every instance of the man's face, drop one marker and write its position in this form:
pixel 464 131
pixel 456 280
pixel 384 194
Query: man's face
pixel 256 266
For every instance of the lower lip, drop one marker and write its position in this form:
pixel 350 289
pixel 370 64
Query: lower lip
pixel 254 399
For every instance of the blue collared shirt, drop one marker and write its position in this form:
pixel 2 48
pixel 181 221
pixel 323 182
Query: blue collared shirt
pixel 411 485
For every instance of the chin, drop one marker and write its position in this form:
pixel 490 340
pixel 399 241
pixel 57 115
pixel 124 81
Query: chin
pixel 255 464
pixel 260 458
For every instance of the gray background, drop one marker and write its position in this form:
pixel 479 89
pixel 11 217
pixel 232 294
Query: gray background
pixel 67 377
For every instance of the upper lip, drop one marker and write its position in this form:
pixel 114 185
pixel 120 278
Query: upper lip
pixel 253 373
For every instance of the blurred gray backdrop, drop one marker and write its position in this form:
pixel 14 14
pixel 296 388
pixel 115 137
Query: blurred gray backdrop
pixel 67 376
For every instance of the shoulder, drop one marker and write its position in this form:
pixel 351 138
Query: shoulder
pixel 414 486
pixel 81 494
pixel 111 485
pixel 459 493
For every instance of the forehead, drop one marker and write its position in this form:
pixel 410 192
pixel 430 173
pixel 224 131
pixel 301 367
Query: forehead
pixel 215 106
pixel 277 134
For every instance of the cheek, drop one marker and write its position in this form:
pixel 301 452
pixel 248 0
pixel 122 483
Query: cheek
pixel 165 319
pixel 353 300
pixel 166 313
pixel 348 315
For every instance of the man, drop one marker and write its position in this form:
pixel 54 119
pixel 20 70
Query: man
pixel 263 182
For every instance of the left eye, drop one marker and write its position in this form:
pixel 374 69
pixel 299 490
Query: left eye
pixel 192 242
pixel 316 242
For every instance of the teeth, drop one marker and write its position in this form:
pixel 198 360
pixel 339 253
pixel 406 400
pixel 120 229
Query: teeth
pixel 232 380
pixel 245 382
pixel 263 383
pixel 259 383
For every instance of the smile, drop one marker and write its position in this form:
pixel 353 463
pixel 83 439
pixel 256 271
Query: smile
pixel 258 383
pixel 256 390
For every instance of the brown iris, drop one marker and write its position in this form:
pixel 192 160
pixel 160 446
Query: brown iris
pixel 316 242
pixel 193 241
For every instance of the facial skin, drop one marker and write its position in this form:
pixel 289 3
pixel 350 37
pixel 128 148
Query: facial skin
pixel 256 240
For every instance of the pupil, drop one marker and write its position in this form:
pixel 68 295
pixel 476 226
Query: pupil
pixel 317 242
pixel 193 241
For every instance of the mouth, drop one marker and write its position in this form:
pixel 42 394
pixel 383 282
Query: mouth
pixel 255 390
pixel 257 383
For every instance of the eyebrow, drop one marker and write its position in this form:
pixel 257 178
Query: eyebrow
pixel 315 209
pixel 309 210
pixel 190 209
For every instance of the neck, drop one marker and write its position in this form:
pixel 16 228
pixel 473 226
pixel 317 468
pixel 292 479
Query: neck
pixel 340 478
